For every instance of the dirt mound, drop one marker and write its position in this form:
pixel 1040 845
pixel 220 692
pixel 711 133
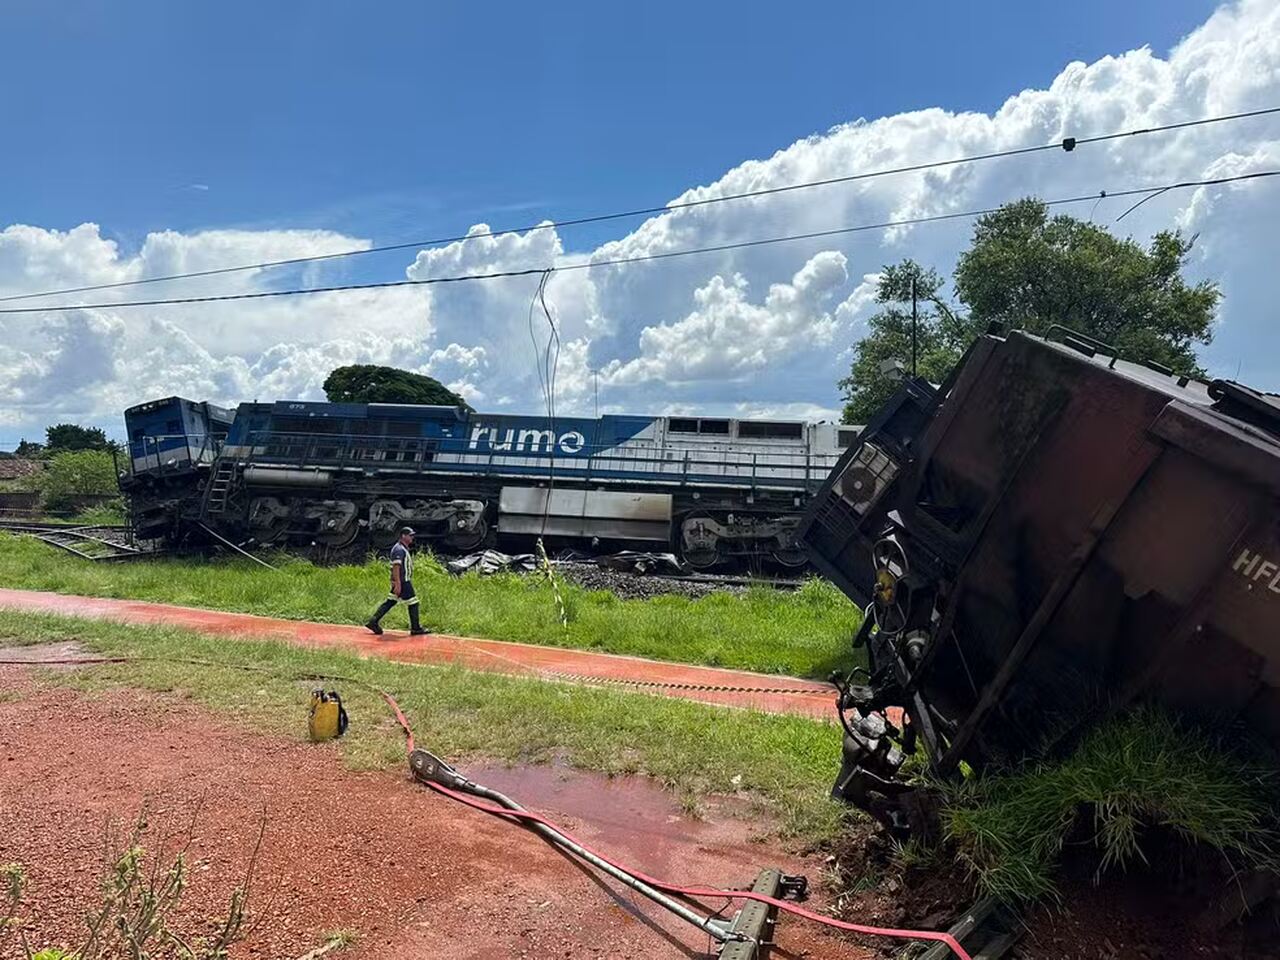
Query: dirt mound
pixel 1146 913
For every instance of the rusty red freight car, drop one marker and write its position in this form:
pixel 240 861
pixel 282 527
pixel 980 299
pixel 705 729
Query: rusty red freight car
pixel 1053 534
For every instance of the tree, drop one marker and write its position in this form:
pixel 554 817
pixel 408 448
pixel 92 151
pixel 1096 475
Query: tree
pixel 1027 270
pixel 71 436
pixel 28 449
pixel 367 383
pixel 77 472
pixel 940 339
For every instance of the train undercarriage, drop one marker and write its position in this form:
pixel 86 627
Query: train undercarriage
pixel 257 506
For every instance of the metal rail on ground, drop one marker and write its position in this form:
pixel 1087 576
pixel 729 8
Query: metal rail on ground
pixel 78 541
pixel 988 930
pixel 21 523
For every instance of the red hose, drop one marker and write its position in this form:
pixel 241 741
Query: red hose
pixel 784 905
pixel 707 892
pixel 525 815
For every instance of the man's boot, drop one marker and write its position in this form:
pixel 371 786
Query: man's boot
pixel 381 612
pixel 415 627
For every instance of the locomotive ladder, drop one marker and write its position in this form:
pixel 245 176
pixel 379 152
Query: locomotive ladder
pixel 219 491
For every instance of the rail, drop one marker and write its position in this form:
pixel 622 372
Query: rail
pixel 82 541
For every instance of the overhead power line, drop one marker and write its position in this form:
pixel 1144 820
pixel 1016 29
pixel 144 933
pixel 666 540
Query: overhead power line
pixel 1067 144
pixel 644 258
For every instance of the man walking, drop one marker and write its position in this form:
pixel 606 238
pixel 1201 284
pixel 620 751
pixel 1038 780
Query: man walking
pixel 401 586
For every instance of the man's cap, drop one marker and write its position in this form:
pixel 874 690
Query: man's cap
pixel 406 530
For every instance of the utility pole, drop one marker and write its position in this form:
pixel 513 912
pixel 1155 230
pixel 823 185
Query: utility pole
pixel 595 377
pixel 914 343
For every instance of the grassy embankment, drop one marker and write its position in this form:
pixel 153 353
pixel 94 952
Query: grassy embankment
pixel 802 633
pixel 1136 775
pixel 783 764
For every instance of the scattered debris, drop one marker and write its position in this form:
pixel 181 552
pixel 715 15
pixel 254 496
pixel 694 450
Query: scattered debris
pixel 494 561
pixel 638 562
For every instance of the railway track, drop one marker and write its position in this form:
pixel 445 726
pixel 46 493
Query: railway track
pixel 26 526
pixel 987 930
pixel 96 542
pixel 729 580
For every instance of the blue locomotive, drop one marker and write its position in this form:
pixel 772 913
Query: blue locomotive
pixel 338 474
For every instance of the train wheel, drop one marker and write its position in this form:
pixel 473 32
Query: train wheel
pixel 790 558
pixel 702 558
pixel 699 545
pixel 342 537
pixel 465 540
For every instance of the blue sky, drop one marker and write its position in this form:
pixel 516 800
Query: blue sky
pixel 394 120
pixel 142 139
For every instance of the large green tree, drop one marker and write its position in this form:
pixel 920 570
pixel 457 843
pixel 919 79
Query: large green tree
pixel 71 436
pixel 1027 270
pixel 367 383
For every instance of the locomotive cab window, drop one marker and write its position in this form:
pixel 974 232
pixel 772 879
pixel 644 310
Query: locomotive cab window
pixel 847 438
pixel 682 425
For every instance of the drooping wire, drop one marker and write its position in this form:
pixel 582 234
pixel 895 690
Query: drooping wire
pixel 1150 196
pixel 546 361
pixel 538 365
pixel 553 360
pixel 643 258
pixel 1094 209
pixel 1067 144
pixel 551 363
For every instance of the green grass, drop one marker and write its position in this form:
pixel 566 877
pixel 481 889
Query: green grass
pixel 104 514
pixel 804 632
pixel 782 764
pixel 1134 773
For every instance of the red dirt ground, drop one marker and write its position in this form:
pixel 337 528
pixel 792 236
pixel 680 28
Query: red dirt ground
pixel 738 688
pixel 414 874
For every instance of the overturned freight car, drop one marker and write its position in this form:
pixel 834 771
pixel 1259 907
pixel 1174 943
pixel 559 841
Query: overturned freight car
pixel 1051 535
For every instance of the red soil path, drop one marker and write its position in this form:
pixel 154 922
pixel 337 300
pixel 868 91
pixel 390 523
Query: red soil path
pixel 414 874
pixel 738 688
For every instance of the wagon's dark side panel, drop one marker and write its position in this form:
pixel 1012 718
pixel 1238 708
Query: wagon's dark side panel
pixel 1087 533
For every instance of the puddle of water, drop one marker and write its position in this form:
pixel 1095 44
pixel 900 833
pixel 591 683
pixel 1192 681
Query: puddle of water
pixel 638 822
pixel 628 803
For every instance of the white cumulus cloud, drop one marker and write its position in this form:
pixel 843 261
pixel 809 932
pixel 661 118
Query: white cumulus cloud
pixel 753 329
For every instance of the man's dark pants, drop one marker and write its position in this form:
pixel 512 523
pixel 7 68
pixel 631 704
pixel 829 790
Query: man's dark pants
pixel 408 597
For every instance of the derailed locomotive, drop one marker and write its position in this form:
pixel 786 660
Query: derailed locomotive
pixel 337 474
pixel 1051 535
